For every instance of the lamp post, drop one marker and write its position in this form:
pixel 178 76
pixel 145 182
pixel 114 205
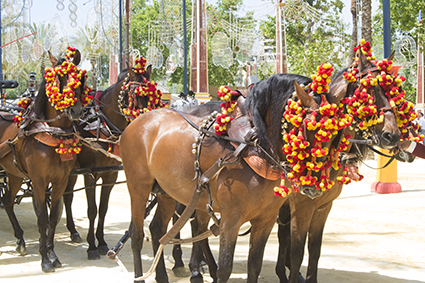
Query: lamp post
pixel 32 83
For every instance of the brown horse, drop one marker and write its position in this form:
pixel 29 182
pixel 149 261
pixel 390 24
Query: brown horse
pixel 157 148
pixel 302 215
pixel 30 156
pixel 107 118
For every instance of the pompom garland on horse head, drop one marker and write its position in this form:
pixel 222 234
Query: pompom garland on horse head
pixel 362 104
pixel 306 119
pixel 135 87
pixel 75 76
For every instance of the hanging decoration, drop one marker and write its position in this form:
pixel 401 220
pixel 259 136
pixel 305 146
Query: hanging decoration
pixel 227 107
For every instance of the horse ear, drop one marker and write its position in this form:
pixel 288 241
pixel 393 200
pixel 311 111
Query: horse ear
pixel 337 90
pixel 52 58
pixel 391 57
pixel 77 57
pixel 130 71
pixel 306 100
pixel 364 64
pixel 148 73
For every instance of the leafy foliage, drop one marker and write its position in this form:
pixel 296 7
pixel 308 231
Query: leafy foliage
pixel 309 45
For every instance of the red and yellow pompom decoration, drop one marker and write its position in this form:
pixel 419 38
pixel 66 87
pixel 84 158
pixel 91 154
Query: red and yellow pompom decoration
pixel 140 65
pixel 366 48
pixel 146 89
pixel 68 146
pixel 227 107
pixel 322 78
pixel 23 103
pixel 303 155
pixel 362 104
pixel 66 98
pixel 402 108
pixel 70 52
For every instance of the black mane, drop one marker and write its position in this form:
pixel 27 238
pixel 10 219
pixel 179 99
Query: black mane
pixel 266 101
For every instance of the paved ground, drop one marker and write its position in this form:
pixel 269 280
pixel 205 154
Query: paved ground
pixel 368 238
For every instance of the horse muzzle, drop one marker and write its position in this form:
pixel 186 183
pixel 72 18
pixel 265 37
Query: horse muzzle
pixel 74 114
pixel 310 191
pixel 389 140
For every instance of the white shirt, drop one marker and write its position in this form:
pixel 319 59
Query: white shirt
pixel 192 102
pixel 422 123
pixel 181 104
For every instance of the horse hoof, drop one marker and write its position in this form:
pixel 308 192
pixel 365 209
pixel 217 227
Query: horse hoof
pixel 196 279
pixel 56 263
pixel 47 267
pixel 103 250
pixel 93 255
pixel 21 249
pixel 75 238
pixel 180 272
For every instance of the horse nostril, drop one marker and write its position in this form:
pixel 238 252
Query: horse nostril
pixel 388 136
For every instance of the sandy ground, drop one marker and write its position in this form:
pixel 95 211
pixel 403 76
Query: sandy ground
pixel 368 238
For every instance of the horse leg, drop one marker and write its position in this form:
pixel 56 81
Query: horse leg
pixel 201 249
pixel 8 201
pixel 39 192
pixel 67 200
pixel 229 230
pixel 158 227
pixel 89 182
pixel 58 189
pixel 103 208
pixel 260 231
pixel 284 238
pixel 178 268
pixel 315 242
pixel 300 223
pixel 138 200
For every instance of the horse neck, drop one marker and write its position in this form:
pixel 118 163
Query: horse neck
pixel 110 108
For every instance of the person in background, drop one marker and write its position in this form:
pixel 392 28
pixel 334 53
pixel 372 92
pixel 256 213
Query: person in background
pixel 182 104
pixel 421 123
pixel 192 100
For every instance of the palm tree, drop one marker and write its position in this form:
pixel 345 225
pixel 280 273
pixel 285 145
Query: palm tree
pixel 367 20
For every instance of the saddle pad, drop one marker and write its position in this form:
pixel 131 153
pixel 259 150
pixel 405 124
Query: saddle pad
pixel 262 168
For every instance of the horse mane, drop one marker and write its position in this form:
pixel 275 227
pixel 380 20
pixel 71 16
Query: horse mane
pixel 266 102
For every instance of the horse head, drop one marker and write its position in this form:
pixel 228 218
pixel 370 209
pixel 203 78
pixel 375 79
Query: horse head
pixel 65 87
pixel 138 94
pixel 324 136
pixel 374 117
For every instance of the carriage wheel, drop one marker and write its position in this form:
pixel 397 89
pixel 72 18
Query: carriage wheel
pixel 48 200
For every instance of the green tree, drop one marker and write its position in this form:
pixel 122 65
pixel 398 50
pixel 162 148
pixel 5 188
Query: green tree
pixel 308 43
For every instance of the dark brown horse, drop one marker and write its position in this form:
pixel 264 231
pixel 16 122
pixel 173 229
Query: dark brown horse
pixel 30 156
pixel 302 215
pixel 157 148
pixel 106 121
